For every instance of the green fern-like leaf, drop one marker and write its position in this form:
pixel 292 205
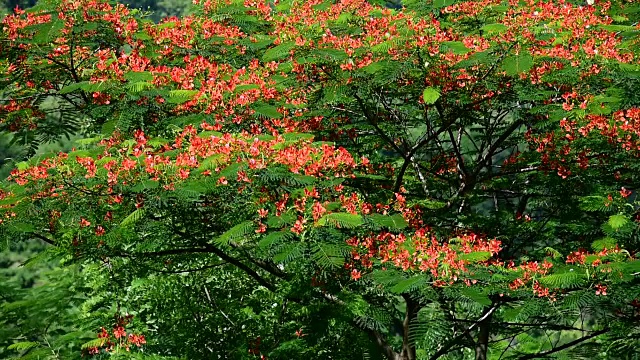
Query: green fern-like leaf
pixel 39 259
pixel 409 284
pixel 476 256
pixel 278 52
pixel 139 86
pixel 617 221
pixel 40 353
pixel 329 255
pixel 330 54
pixel 429 326
pixel 48 31
pixel 275 238
pixel 180 96
pixel 20 227
pixel 387 278
pixel 579 299
pixel 392 222
pixel 23 345
pixel 476 295
pixel 266 111
pixel 93 343
pixel 211 163
pixel 134 217
pixel 565 280
pixel 289 253
pixel 138 76
pixel 604 243
pixel 74 87
pixel 235 232
pixel 371 318
pixel 593 203
pixel 230 172
pixel 514 65
pixel 280 221
pixel 145 185
pixel 341 220
pixel 553 252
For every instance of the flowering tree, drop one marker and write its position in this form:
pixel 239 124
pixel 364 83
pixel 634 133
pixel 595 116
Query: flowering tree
pixel 451 179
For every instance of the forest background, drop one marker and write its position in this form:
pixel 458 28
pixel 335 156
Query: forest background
pixel 12 258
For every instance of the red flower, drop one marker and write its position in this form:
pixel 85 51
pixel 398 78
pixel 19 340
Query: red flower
pixel 137 340
pixel 318 211
pixel 298 227
pixel 128 164
pixel 119 332
pixel 601 290
pixel 625 193
pixel 261 228
pixel 355 274
pixel 183 173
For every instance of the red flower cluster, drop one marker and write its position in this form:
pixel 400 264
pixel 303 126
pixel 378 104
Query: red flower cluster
pixel 118 338
pixel 446 261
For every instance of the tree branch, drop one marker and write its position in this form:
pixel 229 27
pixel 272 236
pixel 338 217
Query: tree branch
pixel 213 250
pixel 43 238
pixel 387 350
pixel 264 265
pixel 183 271
pixel 485 160
pixel 445 349
pixel 409 349
pixel 543 354
pixel 372 120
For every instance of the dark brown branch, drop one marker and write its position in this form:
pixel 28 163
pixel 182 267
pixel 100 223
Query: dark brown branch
pixel 543 354
pixel 456 150
pixel 482 344
pixel 387 350
pixel 212 302
pixel 72 66
pixel 447 347
pixel 264 265
pixel 43 238
pixel 372 119
pixel 242 266
pixel 167 252
pixel 492 149
pixel 409 157
pixel 400 177
pixel 528 325
pixel 190 270
pixel 213 250
pixel 493 67
pixel 409 349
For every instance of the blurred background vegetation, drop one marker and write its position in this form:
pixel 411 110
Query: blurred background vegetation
pixel 24 288
pixel 158 9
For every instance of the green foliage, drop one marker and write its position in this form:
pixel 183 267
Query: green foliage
pixel 235 233
pixel 341 220
pixel 430 95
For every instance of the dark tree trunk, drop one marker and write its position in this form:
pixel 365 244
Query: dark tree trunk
pixel 484 332
pixel 408 351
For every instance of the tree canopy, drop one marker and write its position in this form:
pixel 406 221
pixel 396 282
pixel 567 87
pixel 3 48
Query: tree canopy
pixel 441 179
